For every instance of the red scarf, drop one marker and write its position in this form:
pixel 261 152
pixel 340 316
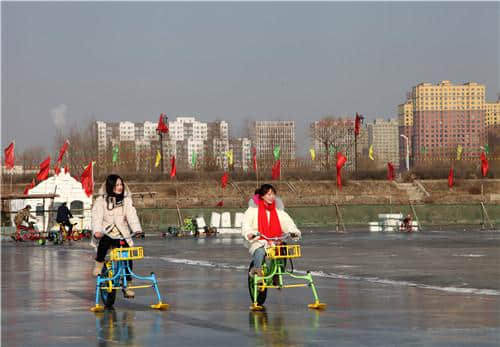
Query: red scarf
pixel 271 228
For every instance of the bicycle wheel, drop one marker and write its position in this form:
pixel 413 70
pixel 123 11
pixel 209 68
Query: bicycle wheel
pixel 76 235
pixel 261 295
pixel 108 296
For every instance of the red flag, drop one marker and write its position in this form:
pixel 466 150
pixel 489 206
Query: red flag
pixel 66 168
pixel 220 204
pixel 224 180
pixel 57 170
pixel 357 124
pixel 276 170
pixel 254 157
pixel 450 177
pixel 44 170
pixel 87 180
pixel 341 159
pixel 390 171
pixel 9 156
pixel 173 170
pixel 62 150
pixel 162 127
pixel 29 186
pixel 484 164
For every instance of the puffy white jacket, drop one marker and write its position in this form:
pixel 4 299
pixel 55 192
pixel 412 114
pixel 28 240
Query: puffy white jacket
pixel 115 221
pixel 250 224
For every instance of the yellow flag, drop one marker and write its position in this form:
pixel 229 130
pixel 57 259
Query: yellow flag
pixel 370 153
pixel 459 152
pixel 229 155
pixel 313 154
pixel 158 158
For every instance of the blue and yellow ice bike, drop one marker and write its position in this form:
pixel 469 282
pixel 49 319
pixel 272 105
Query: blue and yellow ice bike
pixel 274 268
pixel 114 275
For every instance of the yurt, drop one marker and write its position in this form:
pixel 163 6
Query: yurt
pixel 69 190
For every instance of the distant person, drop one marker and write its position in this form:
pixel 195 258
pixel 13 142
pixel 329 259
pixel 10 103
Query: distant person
pixel 114 222
pixel 23 217
pixel 407 223
pixel 22 221
pixel 63 216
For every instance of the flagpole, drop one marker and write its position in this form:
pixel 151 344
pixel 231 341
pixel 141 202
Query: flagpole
pixel 355 153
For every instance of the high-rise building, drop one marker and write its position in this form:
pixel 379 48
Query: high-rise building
pixel 217 144
pixel 266 135
pixel 383 135
pixel 242 153
pixel 445 116
pixel 187 136
pixel 492 113
pixel 136 144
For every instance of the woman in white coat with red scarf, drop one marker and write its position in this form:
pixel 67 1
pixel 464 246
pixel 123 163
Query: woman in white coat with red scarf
pixel 266 216
pixel 113 219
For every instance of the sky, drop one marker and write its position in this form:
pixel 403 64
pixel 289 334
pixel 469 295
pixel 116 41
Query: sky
pixel 65 64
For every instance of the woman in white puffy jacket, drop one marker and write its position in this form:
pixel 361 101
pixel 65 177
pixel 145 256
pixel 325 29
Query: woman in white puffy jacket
pixel 266 216
pixel 114 218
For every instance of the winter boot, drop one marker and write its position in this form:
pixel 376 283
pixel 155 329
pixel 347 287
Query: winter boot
pixel 128 293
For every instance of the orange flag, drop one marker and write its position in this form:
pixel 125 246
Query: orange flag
pixel 276 170
pixel 87 180
pixel 173 170
pixel 341 159
pixel 29 186
pixel 62 151
pixel 44 170
pixel 9 156
pixel 450 177
pixel 484 164
pixel 390 171
pixel 224 180
pixel 162 127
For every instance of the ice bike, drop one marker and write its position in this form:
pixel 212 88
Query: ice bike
pixel 114 277
pixel 274 268
pixel 26 233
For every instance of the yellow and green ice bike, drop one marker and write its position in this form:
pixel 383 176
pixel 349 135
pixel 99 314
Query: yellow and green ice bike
pixel 274 268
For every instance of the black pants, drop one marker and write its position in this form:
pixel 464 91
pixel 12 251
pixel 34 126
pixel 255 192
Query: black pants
pixel 105 243
pixel 67 224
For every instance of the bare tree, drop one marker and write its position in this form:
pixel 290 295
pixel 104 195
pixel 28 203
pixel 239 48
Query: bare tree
pixel 31 157
pixel 325 132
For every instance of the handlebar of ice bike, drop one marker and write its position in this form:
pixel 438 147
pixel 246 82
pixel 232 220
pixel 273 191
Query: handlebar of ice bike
pixel 283 237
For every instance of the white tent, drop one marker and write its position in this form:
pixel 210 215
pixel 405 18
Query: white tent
pixel 69 190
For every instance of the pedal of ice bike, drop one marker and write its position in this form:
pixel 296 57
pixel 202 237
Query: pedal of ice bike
pixel 317 306
pixel 159 306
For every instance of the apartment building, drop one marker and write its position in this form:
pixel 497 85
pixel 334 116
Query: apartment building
pixel 266 135
pixel 383 135
pixel 444 116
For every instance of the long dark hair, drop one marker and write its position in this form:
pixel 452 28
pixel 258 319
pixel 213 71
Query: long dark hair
pixel 264 189
pixel 110 194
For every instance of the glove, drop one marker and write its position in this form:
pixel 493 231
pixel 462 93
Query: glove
pixel 139 234
pixel 294 236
